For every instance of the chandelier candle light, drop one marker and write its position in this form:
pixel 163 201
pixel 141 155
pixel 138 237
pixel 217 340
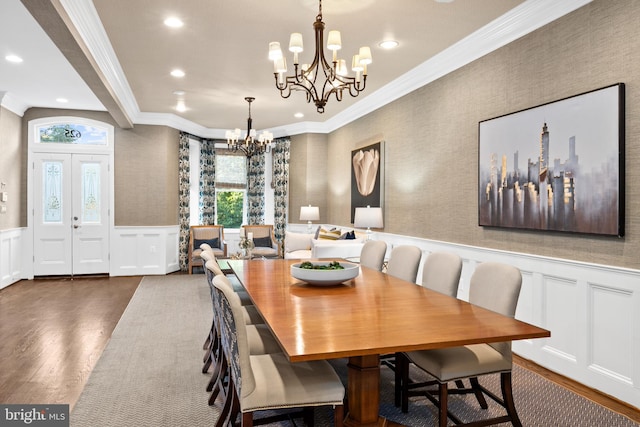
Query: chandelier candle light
pixel 250 145
pixel 306 76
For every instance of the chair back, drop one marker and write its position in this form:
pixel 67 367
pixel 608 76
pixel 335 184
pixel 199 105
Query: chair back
pixel 372 255
pixel 233 336
pixel 263 236
pixel 207 235
pixel 496 287
pixel 441 273
pixel 213 267
pixel 404 262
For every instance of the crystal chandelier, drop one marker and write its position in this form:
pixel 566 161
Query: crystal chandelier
pixel 250 145
pixel 309 78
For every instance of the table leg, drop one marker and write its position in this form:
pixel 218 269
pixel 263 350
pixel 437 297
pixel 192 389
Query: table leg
pixel 363 390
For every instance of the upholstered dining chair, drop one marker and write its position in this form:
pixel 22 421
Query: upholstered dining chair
pixel 213 235
pixel 259 338
pixel 269 381
pixel 372 255
pixel 494 286
pixel 404 262
pixel 441 273
pixel 264 240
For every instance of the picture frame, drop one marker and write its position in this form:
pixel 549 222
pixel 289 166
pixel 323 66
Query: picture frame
pixel 558 166
pixel 367 177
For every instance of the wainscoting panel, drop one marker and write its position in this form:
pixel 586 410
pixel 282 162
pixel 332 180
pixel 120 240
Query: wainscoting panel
pixel 138 251
pixel 560 310
pixel 610 337
pixel 10 256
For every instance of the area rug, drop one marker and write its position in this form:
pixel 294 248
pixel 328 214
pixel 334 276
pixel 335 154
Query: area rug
pixel 150 374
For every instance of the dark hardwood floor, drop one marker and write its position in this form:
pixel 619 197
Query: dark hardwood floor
pixel 53 331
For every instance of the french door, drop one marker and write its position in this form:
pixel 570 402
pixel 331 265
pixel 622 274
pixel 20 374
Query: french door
pixel 70 214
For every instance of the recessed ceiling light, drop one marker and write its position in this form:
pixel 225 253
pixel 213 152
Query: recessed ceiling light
pixel 181 107
pixel 388 44
pixel 173 22
pixel 444 1
pixel 13 58
pixel 298 115
pixel 178 92
pixel 177 73
pixel 62 100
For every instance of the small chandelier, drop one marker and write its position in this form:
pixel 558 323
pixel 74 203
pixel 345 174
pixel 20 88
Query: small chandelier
pixel 250 145
pixel 306 76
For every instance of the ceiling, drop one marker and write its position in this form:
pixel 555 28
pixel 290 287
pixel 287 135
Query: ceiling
pixel 116 55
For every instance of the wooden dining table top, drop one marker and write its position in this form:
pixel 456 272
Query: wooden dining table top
pixel 375 313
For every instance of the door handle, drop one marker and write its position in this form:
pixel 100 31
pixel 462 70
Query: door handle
pixel 75 218
pixel 76 226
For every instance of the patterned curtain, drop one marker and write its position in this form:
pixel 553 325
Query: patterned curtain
pixel 280 154
pixel 207 199
pixel 183 200
pixel 255 189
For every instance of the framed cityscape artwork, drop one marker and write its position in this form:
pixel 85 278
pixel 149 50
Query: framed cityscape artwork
pixel 557 167
pixel 367 177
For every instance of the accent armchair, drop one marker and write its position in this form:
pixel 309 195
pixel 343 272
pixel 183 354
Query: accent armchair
pixel 264 240
pixel 213 235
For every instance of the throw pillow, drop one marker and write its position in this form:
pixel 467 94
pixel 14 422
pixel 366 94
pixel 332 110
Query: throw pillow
pixel 333 234
pixel 262 242
pixel 214 243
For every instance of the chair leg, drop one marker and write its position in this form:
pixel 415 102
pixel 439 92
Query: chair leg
pixel 507 395
pixel 338 416
pixel 308 416
pixel 443 402
pixel 247 419
pixel 226 408
pixel 219 384
pixel 207 362
pixel 399 374
pixel 404 383
pixel 477 390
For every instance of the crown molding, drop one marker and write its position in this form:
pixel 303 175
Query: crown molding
pixel 523 19
pixel 13 104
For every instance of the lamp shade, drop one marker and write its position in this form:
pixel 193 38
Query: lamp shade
pixel 309 213
pixel 368 218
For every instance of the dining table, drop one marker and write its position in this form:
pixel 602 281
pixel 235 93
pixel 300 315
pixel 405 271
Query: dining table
pixel 371 315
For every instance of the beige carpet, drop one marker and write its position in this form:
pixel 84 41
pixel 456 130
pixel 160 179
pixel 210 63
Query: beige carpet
pixel 149 374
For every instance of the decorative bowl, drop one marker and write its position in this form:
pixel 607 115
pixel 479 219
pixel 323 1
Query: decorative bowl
pixel 319 277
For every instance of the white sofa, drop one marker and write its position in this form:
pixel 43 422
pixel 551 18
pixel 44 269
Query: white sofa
pixel 305 246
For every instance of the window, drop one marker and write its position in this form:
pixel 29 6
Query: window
pixel 231 183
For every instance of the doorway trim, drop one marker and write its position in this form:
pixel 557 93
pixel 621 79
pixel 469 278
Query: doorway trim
pixel 36 146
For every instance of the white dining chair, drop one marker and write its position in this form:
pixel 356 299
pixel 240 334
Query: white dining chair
pixel 441 273
pixel 496 287
pixel 372 255
pixel 404 262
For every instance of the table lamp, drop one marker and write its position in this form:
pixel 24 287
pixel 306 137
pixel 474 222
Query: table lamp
pixel 368 217
pixel 309 213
